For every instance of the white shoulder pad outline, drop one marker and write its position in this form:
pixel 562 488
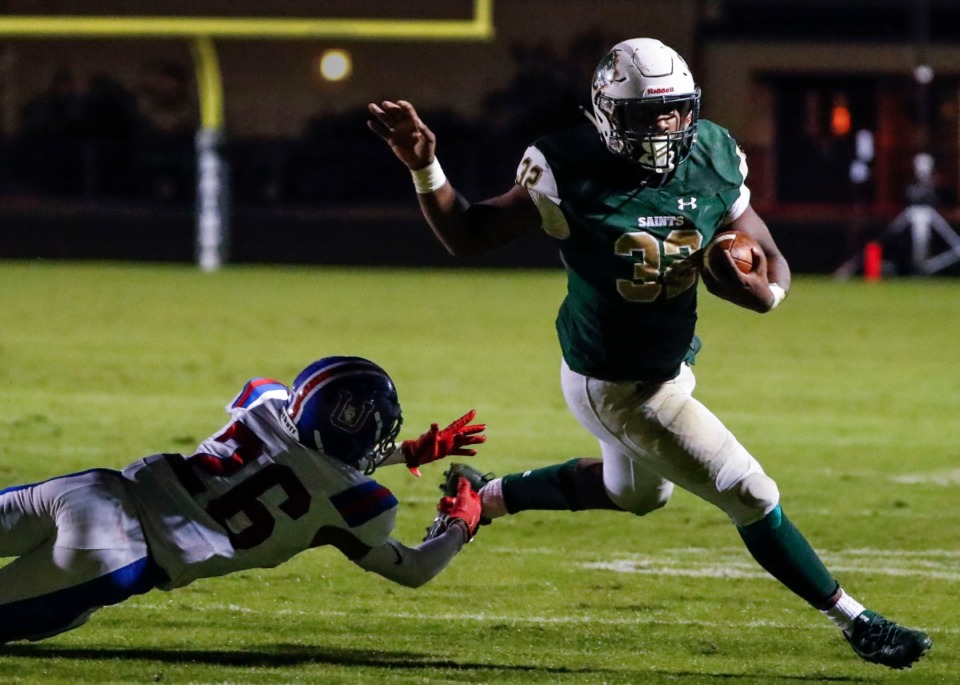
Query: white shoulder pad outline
pixel 278 396
pixel 535 174
pixel 740 206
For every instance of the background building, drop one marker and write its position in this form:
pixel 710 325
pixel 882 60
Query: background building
pixel 832 102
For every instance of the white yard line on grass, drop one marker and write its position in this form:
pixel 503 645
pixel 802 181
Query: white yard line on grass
pixel 938 564
pixel 633 619
pixel 942 478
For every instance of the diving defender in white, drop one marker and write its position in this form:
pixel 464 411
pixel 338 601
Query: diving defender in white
pixel 290 471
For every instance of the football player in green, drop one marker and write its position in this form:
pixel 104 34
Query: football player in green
pixel 631 198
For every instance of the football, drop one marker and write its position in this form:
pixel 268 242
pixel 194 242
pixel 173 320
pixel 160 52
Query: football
pixel 737 243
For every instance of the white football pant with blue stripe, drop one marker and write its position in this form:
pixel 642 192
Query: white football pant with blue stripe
pixel 80 547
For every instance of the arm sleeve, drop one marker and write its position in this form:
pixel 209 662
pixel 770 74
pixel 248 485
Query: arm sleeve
pixel 395 457
pixel 413 566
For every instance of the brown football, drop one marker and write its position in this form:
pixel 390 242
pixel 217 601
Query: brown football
pixel 737 243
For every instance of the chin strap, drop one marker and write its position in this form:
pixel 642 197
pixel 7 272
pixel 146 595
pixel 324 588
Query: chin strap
pixel 588 115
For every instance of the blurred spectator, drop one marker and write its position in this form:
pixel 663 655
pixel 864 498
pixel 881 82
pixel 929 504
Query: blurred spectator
pixel 165 97
pixel 111 125
pixel 169 111
pixel 48 149
pixel 546 94
pixel 547 90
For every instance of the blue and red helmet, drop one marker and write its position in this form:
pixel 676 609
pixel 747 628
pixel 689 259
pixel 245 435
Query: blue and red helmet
pixel 348 408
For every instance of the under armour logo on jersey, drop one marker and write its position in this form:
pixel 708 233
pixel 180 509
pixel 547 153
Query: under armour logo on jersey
pixel 348 415
pixel 686 204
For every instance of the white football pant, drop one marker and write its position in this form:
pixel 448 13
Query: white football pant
pixel 653 435
pixel 79 546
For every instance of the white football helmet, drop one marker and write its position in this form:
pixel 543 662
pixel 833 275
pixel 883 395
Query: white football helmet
pixel 638 81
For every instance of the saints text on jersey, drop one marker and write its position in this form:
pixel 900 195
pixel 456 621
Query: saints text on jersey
pixel 654 221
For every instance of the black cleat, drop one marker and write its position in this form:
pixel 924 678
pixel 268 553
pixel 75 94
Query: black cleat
pixel 881 641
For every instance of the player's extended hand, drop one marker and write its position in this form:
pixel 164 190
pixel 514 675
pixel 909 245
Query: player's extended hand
pixel 466 507
pixel 438 443
pixel 403 130
pixel 749 290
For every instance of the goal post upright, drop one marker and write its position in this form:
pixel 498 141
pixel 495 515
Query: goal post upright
pixel 212 203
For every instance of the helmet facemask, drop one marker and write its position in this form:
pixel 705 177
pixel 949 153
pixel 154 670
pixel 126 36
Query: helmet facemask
pixel 384 446
pixel 636 133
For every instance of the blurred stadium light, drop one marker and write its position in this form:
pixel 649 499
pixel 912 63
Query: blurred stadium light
pixel 212 204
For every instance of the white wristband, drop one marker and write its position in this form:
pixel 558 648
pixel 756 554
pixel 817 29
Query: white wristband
pixel 429 178
pixel 779 294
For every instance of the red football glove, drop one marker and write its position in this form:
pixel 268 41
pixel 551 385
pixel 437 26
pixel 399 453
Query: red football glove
pixel 436 443
pixel 466 506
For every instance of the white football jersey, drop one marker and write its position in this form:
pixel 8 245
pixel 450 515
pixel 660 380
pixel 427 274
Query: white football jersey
pixel 252 496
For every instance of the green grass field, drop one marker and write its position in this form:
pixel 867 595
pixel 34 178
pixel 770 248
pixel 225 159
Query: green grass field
pixel 849 394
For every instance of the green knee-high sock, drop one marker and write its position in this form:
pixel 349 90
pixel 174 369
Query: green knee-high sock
pixel 574 485
pixel 783 551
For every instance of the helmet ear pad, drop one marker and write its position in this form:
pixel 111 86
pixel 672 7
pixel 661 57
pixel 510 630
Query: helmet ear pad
pixel 345 406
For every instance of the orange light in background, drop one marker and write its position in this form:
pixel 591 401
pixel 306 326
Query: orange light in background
pixel 335 65
pixel 840 116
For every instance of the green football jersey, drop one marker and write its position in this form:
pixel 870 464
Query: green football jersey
pixel 631 306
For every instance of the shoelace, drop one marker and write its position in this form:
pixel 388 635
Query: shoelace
pixel 883 634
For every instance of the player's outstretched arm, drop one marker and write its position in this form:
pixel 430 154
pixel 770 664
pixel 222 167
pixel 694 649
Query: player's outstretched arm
pixel 415 566
pixel 464 228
